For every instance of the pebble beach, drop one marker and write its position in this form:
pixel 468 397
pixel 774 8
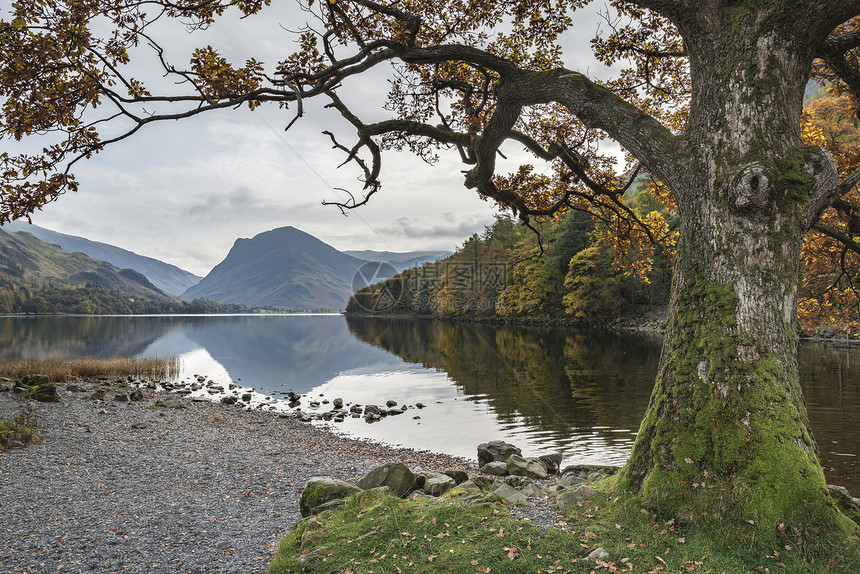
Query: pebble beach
pixel 134 487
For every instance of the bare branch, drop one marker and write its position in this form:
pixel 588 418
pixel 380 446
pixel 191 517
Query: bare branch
pixel 839 236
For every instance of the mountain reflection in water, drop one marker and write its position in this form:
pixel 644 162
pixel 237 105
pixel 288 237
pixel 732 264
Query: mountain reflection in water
pixel 545 389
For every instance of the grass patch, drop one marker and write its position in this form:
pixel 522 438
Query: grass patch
pixel 21 428
pixel 69 370
pixel 444 535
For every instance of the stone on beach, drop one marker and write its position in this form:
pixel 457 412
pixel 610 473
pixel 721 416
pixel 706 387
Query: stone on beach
pixel 321 490
pixel 436 483
pixel 496 467
pixel 496 450
pixel 530 467
pixel 396 476
pixel 38 388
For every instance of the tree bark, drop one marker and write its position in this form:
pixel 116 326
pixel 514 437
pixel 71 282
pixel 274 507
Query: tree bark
pixel 726 434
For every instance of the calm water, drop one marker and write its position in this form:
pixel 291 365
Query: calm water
pixel 583 393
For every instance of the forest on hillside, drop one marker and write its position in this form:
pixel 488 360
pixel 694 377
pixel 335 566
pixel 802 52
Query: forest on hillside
pixel 581 267
pixel 59 296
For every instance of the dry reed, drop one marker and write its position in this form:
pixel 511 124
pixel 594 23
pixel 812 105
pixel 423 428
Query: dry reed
pixel 69 370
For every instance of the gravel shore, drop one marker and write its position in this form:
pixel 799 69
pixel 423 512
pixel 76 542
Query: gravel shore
pixel 130 487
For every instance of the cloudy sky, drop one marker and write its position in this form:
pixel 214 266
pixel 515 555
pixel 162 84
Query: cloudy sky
pixel 184 192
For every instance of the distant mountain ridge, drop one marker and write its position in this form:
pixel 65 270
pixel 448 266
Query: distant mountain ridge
pixel 164 276
pixel 400 261
pixel 284 268
pixel 26 258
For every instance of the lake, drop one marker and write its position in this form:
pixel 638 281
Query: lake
pixel 543 389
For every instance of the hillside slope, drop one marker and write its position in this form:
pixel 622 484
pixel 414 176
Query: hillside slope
pixel 25 258
pixel 165 276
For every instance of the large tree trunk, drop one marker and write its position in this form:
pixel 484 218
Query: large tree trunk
pixel 727 411
pixel 726 434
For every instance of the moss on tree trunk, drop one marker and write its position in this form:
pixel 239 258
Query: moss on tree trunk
pixel 726 436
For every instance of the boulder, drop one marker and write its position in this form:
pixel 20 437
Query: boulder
pixel 368 499
pixel 467 491
pixel 497 468
pixel 39 388
pixel 34 380
pixel 597 554
pixel 321 490
pixel 509 493
pixel 437 484
pixel 570 480
pixel 136 395
pixel 552 462
pixel 571 498
pixel 496 450
pixel 586 469
pixel 846 503
pixel 371 410
pixel 338 403
pixel 483 483
pixel 458 475
pixel 530 467
pixel 229 400
pixel 532 490
pixel 517 481
pixel 396 476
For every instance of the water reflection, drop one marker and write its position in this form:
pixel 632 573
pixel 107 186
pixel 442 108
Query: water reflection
pixel 545 389
pixel 830 378
pixel 572 388
pixel 296 352
pixel 563 386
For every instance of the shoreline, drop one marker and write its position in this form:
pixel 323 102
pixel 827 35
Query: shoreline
pixel 118 486
pixel 622 326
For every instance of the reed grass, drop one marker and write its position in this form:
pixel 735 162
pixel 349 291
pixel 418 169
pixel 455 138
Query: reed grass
pixel 70 370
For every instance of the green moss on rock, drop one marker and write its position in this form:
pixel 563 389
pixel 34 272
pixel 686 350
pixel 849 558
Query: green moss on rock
pixel 321 490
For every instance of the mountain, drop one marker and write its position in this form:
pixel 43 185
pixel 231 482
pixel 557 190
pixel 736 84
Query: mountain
pixel 285 268
pixel 165 276
pixel 400 261
pixel 27 259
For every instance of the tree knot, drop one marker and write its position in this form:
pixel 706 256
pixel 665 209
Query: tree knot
pixel 752 187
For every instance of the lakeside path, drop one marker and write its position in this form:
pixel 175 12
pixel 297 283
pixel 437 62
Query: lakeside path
pixel 128 487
